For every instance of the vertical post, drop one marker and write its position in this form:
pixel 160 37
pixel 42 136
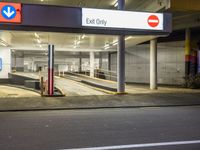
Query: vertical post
pixel 50 70
pixel 42 86
pixel 153 64
pixel 80 62
pixel 198 58
pixel 187 51
pixel 121 56
pixel 100 60
pixel 109 61
pixel 92 59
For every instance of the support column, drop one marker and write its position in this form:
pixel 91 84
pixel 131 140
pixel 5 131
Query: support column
pixel 153 64
pixel 121 56
pixel 100 60
pixel 80 62
pixel 198 62
pixel 92 59
pixel 198 58
pixel 51 70
pixel 187 51
pixel 109 61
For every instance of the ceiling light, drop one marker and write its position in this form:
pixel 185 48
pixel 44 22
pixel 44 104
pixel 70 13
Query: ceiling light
pixel 36 35
pixel 74 46
pixel 41 0
pixel 116 4
pixel 127 38
pixel 3 43
pixel 115 43
pixel 38 41
pixel 106 47
pixel 78 42
pixel 83 36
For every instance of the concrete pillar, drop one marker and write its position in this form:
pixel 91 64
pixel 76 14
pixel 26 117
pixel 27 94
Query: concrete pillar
pixel 100 60
pixel 153 64
pixel 5 68
pixel 80 62
pixel 121 56
pixel 198 62
pixel 32 65
pixel 51 70
pixel 92 67
pixel 109 61
pixel 20 63
pixel 187 51
pixel 198 58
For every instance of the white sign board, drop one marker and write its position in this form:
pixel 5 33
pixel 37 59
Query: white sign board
pixel 121 19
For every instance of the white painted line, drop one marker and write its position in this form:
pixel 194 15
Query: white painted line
pixel 153 21
pixel 139 145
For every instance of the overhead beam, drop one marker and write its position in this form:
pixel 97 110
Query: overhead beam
pixel 185 5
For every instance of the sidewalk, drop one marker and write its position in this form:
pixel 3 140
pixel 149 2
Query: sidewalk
pixel 12 91
pixel 103 101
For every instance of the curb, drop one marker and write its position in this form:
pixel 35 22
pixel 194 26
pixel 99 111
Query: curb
pixel 90 108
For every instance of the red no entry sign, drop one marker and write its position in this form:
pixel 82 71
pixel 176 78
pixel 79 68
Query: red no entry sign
pixel 153 21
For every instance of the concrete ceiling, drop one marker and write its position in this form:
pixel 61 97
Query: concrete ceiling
pixel 139 5
pixel 38 41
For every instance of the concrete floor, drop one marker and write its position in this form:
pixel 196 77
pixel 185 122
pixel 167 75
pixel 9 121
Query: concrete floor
pixel 145 89
pixel 7 91
pixel 73 88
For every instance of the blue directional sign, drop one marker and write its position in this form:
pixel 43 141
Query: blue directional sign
pixel 0 64
pixel 8 12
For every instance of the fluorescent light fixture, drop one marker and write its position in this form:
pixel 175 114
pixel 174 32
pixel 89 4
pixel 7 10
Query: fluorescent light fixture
pixel 36 35
pixel 115 43
pixel 83 36
pixel 74 46
pixel 78 42
pixel 127 38
pixel 3 43
pixel 106 47
pixel 40 45
pixel 106 44
pixel 116 4
pixel 38 41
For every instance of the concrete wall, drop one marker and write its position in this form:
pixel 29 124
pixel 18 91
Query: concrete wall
pixel 18 63
pixel 171 66
pixel 5 54
pixel 105 60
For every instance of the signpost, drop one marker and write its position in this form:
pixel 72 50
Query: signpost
pixel 10 12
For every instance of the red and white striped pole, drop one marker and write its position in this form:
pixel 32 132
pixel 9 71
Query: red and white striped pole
pixel 50 70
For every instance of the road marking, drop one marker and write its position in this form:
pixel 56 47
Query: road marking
pixel 139 145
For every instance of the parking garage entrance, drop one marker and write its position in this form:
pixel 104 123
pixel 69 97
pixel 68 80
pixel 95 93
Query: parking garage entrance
pixel 81 37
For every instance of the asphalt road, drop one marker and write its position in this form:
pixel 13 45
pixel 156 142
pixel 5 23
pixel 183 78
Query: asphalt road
pixel 55 130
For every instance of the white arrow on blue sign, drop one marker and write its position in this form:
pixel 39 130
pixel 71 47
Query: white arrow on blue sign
pixel 8 12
